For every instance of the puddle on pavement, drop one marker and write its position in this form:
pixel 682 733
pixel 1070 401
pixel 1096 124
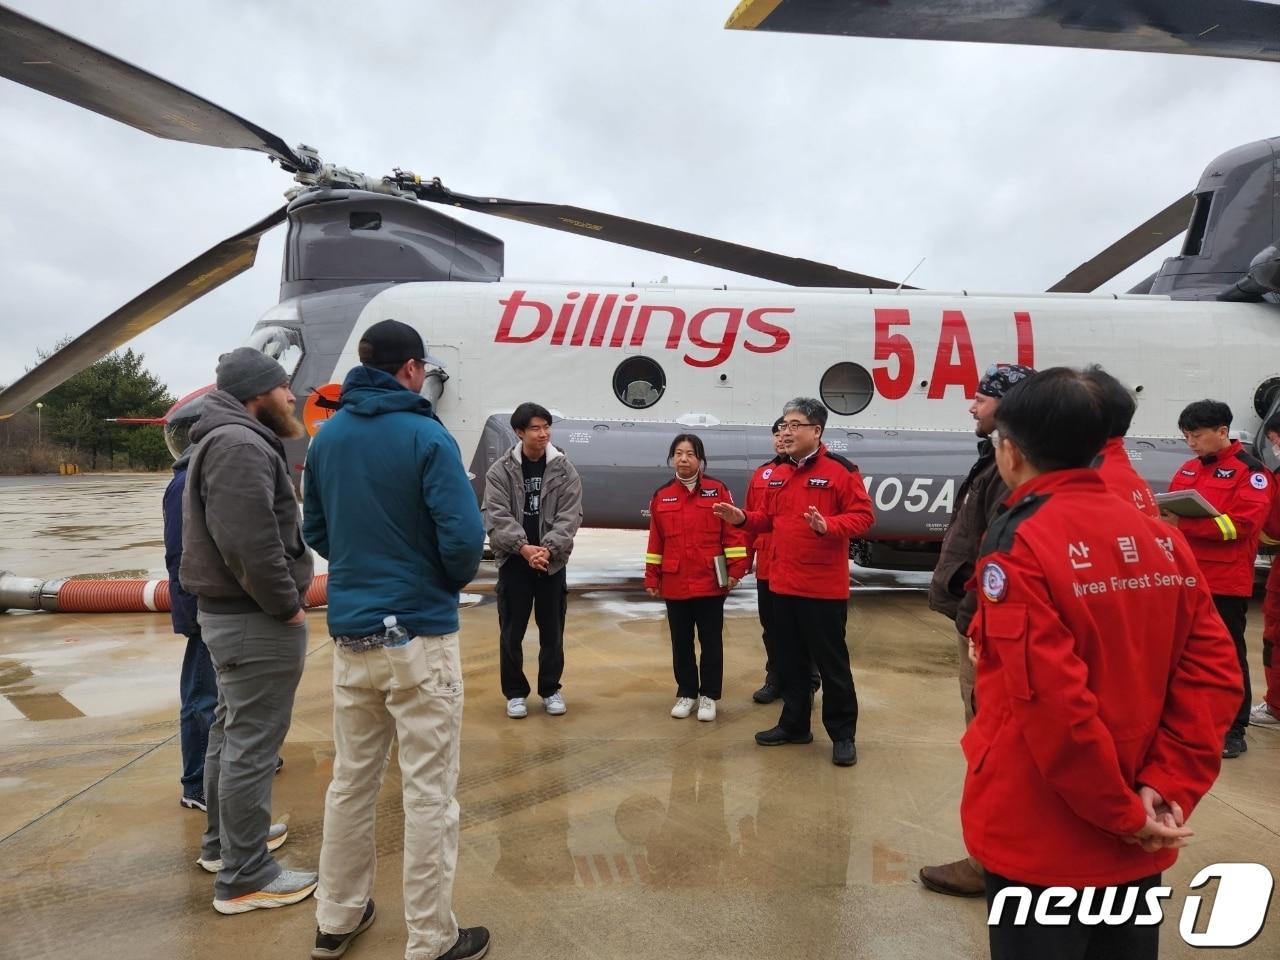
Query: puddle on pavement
pixel 44 706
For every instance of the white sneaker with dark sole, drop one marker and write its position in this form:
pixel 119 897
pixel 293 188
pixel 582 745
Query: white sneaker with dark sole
pixel 289 887
pixel 276 837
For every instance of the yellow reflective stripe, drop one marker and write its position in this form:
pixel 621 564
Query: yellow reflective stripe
pixel 653 558
pixel 735 553
pixel 1267 540
pixel 1226 526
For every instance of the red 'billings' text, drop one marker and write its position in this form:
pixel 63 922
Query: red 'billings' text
pixel 594 320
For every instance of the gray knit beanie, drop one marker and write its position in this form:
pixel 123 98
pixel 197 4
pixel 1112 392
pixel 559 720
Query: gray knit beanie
pixel 246 372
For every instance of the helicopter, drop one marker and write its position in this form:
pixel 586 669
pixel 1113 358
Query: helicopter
pixel 625 366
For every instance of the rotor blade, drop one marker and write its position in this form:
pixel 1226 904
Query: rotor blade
pixel 1129 249
pixel 185 285
pixel 1242 29
pixel 664 240
pixel 47 60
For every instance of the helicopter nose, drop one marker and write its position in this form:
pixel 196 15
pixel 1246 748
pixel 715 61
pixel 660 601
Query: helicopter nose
pixel 181 417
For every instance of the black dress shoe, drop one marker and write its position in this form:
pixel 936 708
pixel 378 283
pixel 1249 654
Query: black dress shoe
pixel 844 753
pixel 766 694
pixel 776 737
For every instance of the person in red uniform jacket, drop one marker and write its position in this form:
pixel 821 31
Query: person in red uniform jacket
pixel 758 555
pixel 1266 712
pixel 813 505
pixel 1106 681
pixel 1238 485
pixel 1113 463
pixel 685 540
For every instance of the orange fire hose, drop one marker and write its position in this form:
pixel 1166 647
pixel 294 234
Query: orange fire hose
pixel 108 596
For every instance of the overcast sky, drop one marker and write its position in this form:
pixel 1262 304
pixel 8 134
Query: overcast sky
pixel 1004 167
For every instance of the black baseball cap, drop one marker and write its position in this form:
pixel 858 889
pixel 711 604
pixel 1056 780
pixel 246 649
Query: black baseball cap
pixel 390 343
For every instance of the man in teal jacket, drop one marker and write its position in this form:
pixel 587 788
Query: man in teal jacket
pixel 387 501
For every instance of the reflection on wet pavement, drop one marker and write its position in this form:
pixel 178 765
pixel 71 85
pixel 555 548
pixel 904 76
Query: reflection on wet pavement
pixel 613 831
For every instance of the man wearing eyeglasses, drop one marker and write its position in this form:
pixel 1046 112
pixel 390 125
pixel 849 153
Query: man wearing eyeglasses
pixel 815 503
pixel 977 504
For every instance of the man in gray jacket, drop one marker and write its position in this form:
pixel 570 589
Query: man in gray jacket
pixel 532 509
pixel 244 559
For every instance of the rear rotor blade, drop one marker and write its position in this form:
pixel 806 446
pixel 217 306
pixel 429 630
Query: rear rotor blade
pixel 1242 29
pixel 47 60
pixel 185 285
pixel 1129 249
pixel 665 240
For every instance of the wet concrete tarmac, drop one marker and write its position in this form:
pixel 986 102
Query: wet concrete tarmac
pixel 613 831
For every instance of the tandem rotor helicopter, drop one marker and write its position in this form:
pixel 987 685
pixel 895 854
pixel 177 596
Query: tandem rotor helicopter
pixel 626 366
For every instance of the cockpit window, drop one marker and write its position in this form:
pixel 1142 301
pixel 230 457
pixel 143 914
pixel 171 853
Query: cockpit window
pixel 282 344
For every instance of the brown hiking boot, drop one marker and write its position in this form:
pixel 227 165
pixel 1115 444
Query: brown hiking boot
pixel 964 878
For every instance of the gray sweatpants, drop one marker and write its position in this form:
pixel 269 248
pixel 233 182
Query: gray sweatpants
pixel 259 662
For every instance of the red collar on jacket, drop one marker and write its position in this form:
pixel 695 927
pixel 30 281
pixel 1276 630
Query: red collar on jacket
pixel 1080 479
pixel 1222 454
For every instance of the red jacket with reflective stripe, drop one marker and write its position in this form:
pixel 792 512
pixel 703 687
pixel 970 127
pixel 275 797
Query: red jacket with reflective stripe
pixel 1117 473
pixel 1238 485
pixel 1102 666
pixel 758 551
pixel 804 563
pixel 685 538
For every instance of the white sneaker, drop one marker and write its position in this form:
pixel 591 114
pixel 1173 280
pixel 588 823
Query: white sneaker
pixel 277 834
pixel 683 707
pixel 1261 716
pixel 706 709
pixel 516 708
pixel 289 887
pixel 555 704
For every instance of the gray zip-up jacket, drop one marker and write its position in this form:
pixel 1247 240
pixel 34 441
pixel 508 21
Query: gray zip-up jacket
pixel 242 549
pixel 559 514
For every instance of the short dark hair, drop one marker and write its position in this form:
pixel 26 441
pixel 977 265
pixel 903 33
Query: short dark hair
pixel 694 441
pixel 1058 418
pixel 814 410
pixel 1272 425
pixel 777 425
pixel 524 414
pixel 1203 414
pixel 1121 406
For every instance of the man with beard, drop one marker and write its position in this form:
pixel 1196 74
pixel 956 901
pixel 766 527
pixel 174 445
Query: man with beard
pixel 978 502
pixel 244 559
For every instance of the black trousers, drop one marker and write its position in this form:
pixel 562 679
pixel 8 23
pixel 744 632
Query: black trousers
pixel 812 632
pixel 1075 941
pixel 522 590
pixel 1233 611
pixel 769 633
pixel 706 615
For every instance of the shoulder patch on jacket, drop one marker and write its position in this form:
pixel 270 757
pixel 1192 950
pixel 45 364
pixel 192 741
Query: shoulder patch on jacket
pixel 999 536
pixel 1250 461
pixel 847 464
